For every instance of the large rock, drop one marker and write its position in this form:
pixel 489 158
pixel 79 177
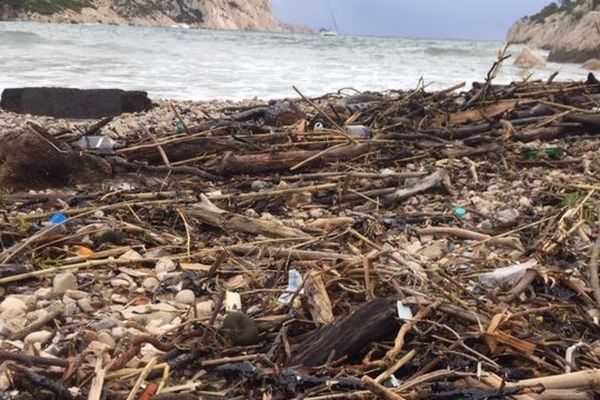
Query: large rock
pixel 33 159
pixel 530 59
pixel 570 33
pixel 74 103
pixel 563 54
pixel 593 64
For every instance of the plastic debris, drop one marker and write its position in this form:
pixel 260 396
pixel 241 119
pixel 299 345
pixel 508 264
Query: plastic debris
pixel 460 212
pixel 58 218
pixel 99 144
pixel 358 131
pixel 294 282
pixel 404 312
pixel 233 301
pixel 83 251
pixel 554 153
pixel 504 275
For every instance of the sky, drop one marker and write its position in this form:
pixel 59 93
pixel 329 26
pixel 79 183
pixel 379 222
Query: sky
pixel 449 19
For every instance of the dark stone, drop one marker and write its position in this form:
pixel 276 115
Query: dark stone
pixel 74 103
pixel 573 56
pixel 33 159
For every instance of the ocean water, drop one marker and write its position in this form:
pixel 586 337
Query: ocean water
pixel 190 64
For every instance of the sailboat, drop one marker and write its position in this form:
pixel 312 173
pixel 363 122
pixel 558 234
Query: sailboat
pixel 327 32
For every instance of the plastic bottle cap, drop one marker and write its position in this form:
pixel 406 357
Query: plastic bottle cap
pixel 460 212
pixel 58 218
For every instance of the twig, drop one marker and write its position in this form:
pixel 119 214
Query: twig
pixel 315 106
pixel 143 374
pixel 380 390
pixel 399 364
pixel 98 381
pixel 593 271
pixel 36 325
pixel 406 327
pixel 163 155
pixel 33 360
pixel 466 234
pixel 491 75
pixel 523 284
pixel 188 231
pixel 185 127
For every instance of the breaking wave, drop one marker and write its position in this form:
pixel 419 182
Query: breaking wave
pixel 15 38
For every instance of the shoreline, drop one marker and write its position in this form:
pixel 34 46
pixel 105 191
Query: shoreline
pixel 178 26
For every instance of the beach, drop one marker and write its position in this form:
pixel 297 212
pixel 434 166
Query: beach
pixel 474 206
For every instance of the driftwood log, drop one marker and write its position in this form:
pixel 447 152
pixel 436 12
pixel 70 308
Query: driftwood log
pixel 210 214
pixel 232 164
pixel 183 148
pixel 349 336
pixel 74 103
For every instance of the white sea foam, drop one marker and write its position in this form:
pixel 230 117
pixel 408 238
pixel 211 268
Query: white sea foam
pixel 200 64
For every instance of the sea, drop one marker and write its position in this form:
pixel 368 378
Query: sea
pixel 197 64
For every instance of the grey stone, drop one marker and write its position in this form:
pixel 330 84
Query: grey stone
pixel 63 282
pixel 85 305
pixel 105 324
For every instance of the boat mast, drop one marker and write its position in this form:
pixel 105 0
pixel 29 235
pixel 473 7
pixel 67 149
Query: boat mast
pixel 333 16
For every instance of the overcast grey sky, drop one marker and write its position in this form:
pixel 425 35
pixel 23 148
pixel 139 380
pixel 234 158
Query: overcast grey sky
pixel 452 19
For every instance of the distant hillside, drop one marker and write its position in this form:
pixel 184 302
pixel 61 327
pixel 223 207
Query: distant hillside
pixel 216 14
pixel 570 30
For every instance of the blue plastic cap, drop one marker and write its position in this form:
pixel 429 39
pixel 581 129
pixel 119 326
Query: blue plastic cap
pixel 460 212
pixel 58 218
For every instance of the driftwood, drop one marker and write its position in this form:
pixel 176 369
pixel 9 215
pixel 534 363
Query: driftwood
pixel 348 336
pixel 426 183
pixel 74 103
pixel 139 167
pixel 546 133
pixel 210 214
pixel 184 148
pixel 470 235
pixel 232 164
pixel 590 122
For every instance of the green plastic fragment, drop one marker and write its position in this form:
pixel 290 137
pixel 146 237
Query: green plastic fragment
pixel 460 212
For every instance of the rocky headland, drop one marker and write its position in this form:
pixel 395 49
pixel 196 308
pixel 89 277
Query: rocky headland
pixel 570 31
pixel 255 15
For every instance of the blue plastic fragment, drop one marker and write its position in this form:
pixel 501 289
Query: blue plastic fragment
pixel 460 212
pixel 58 218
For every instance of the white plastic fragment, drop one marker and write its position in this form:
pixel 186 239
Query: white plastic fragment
pixel 394 381
pixel 404 312
pixel 233 301
pixel 102 144
pixel 511 274
pixel 569 356
pixel 294 282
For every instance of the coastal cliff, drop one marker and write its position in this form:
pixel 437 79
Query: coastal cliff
pixel 254 15
pixel 571 31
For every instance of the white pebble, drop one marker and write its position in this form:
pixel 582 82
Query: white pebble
pixel 37 337
pixel 185 297
pixel 165 265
